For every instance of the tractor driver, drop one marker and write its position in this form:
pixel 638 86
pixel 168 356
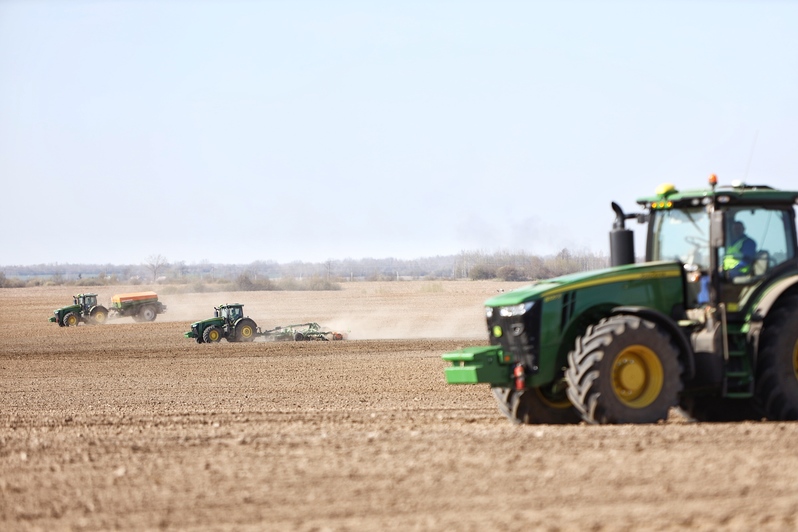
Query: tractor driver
pixel 740 252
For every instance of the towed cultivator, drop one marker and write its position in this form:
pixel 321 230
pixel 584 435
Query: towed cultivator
pixel 300 333
pixel 230 323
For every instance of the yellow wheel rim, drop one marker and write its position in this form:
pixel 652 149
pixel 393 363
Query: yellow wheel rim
pixel 637 376
pixel 72 320
pixel 246 332
pixel 99 317
pixel 213 335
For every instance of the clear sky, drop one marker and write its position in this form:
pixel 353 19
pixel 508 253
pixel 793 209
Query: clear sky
pixel 236 131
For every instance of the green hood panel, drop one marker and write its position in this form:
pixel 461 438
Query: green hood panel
pixel 70 308
pixel 208 322
pixel 59 313
pixel 576 281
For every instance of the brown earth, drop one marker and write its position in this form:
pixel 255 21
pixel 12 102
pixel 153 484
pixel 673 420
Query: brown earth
pixel 131 426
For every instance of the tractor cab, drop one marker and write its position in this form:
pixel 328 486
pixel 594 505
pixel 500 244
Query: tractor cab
pixel 729 239
pixel 86 301
pixel 231 313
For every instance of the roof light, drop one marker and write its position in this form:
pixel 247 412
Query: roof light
pixel 713 180
pixel 738 183
pixel 661 204
pixel 664 189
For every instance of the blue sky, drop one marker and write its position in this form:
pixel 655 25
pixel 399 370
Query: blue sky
pixel 234 131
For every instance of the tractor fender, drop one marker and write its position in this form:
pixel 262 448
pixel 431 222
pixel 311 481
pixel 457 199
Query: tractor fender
pixel 759 312
pixel 686 354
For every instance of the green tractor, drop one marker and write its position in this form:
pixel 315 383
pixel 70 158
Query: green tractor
pixel 84 309
pixel 708 323
pixel 228 322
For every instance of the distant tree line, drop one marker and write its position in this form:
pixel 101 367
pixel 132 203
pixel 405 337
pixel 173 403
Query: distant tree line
pixel 297 275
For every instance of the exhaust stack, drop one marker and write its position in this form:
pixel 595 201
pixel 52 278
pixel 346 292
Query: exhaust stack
pixel 622 242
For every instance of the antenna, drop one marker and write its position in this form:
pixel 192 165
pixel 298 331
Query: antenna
pixel 750 156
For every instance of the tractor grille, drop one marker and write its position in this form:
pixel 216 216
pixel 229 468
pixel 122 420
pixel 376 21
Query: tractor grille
pixel 520 336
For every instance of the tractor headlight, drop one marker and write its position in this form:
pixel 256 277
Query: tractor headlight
pixel 516 310
pixel 489 312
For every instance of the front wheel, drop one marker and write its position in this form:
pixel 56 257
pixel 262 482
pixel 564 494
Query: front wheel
pixel 212 335
pixel 547 405
pixel 70 319
pixel 624 370
pixel 777 369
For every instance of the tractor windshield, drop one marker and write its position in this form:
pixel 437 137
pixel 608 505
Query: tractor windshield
pixel 681 235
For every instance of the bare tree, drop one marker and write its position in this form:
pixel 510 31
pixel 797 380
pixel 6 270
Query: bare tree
pixel 156 263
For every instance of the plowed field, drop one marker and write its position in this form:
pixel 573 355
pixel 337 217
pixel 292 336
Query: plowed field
pixel 131 426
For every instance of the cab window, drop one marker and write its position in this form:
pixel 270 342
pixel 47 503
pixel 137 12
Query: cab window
pixel 681 235
pixel 770 229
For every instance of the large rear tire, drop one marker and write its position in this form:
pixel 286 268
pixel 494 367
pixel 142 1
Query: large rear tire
pixel 777 367
pixel 147 313
pixel 245 330
pixel 99 315
pixel 536 405
pixel 624 370
pixel 70 319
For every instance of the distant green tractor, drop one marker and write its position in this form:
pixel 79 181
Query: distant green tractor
pixel 708 323
pixel 84 309
pixel 228 322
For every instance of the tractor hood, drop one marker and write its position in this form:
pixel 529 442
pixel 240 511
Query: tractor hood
pixel 68 308
pixel 208 322
pixel 575 281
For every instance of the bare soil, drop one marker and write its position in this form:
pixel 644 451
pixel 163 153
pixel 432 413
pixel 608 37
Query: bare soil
pixel 131 426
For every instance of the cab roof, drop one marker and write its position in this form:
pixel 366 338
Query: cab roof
pixel 668 196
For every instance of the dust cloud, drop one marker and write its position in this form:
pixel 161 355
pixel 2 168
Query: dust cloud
pixel 361 311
